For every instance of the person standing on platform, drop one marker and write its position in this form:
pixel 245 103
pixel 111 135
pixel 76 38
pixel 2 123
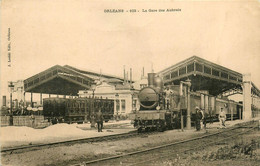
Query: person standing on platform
pixel 168 94
pixel 198 117
pixel 202 118
pixel 99 120
pixel 33 120
pixel 222 117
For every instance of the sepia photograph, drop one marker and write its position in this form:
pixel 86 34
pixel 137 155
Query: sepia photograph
pixel 128 82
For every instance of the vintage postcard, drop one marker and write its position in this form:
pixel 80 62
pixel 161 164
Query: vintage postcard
pixel 110 82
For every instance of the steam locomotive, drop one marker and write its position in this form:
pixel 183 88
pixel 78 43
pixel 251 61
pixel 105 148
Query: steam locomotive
pixel 76 110
pixel 162 109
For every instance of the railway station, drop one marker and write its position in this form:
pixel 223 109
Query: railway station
pixel 133 108
pixel 207 78
pixel 156 84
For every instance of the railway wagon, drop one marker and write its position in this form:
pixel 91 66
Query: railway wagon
pixel 76 110
pixel 211 106
pixel 162 109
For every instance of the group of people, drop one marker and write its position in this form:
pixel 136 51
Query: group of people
pixel 201 120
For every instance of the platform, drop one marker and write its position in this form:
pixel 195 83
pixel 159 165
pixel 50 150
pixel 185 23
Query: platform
pixel 13 136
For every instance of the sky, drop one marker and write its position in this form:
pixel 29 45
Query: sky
pixel 79 33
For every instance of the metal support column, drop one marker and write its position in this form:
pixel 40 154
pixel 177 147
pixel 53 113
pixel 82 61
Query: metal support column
pixel 182 121
pixel 188 83
pixel 24 101
pixel 41 98
pixel 247 112
pixel 31 99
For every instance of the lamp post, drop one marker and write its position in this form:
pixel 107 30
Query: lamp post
pixel 116 96
pixel 132 95
pixel 93 91
pixel 85 93
pixel 11 88
pixel 92 116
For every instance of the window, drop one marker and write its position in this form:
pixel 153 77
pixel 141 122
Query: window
pixel 224 75
pixel 123 105
pixel 85 82
pixel 198 67
pixel 182 71
pixel 174 74
pixel 190 67
pixel 232 78
pixel 36 80
pixel 42 77
pixel 167 77
pixel 215 72
pixel 117 105
pixel 207 70
pixel 79 79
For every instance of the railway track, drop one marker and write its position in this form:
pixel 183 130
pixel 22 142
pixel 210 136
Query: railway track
pixel 124 158
pixel 76 141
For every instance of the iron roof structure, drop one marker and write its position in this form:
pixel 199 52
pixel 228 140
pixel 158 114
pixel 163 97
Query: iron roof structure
pixel 205 75
pixel 65 80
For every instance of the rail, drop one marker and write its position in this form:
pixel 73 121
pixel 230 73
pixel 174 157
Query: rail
pixel 162 146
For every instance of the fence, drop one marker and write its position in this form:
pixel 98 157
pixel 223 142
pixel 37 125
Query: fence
pixel 38 121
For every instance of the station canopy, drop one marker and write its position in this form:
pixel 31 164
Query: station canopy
pixel 204 76
pixel 65 80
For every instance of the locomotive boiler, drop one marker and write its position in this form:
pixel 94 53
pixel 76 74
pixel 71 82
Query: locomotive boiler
pixel 149 97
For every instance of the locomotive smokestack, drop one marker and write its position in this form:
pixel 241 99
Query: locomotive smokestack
pixel 127 79
pixel 151 79
pixel 4 100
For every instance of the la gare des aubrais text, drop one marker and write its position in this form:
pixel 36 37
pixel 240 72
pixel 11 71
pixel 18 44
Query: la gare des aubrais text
pixel 141 10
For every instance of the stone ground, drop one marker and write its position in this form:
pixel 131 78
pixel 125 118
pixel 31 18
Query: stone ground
pixel 244 151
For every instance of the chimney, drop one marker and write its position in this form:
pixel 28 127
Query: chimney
pixel 142 75
pixel 124 74
pixel 130 76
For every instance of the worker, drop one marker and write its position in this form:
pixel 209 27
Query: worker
pixel 222 117
pixel 32 120
pixel 198 118
pixel 168 94
pixel 99 120
pixel 202 118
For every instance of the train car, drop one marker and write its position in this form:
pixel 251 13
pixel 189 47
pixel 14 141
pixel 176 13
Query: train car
pixel 77 110
pixel 161 111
